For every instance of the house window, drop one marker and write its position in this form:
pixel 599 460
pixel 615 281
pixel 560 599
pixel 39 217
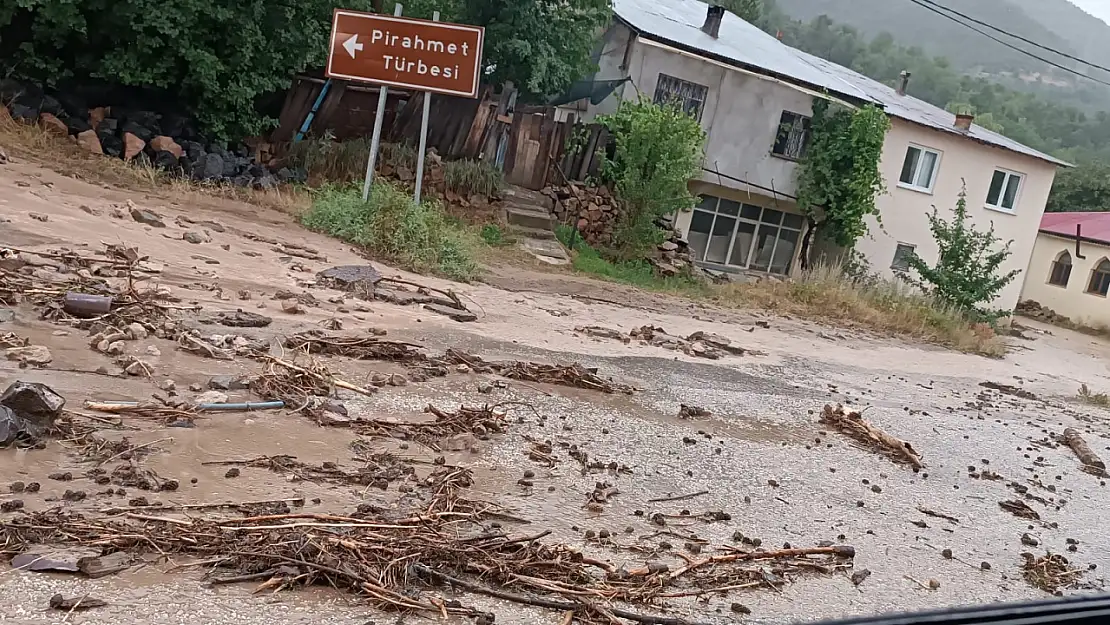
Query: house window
pixel 1100 279
pixel 919 170
pixel 1004 190
pixel 728 233
pixel 690 97
pixel 793 135
pixel 1061 270
pixel 902 254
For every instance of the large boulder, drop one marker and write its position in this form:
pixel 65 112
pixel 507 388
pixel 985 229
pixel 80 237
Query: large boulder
pixel 132 145
pixel 213 167
pixel 28 410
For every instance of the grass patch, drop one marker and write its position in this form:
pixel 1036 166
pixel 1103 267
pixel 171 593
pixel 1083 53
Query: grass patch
pixel 825 294
pixel 467 177
pixel 1097 399
pixel 492 235
pixel 345 161
pixel 638 273
pixel 391 226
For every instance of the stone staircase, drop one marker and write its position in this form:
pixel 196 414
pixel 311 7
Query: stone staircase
pixel 529 216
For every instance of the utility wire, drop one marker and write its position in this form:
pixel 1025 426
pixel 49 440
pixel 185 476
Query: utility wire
pixel 921 4
pixel 1015 36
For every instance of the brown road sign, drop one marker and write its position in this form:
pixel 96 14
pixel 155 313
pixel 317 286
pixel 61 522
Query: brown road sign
pixel 406 52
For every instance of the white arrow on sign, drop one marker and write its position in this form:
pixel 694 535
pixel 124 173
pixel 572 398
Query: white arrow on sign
pixel 352 45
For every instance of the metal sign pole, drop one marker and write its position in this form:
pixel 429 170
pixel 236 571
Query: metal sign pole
pixel 423 136
pixel 376 138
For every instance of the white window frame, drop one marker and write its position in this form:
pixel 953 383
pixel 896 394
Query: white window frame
pixel 758 223
pixel 1002 192
pixel 933 175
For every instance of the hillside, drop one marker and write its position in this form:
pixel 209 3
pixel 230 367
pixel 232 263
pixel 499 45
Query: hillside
pixel 1054 23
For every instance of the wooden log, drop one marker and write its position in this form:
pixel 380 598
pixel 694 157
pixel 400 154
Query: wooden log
pixel 1091 462
pixel 853 425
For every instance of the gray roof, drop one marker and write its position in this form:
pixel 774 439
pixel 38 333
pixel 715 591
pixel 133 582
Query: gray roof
pixel 679 22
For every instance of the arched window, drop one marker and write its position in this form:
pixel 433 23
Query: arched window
pixel 1100 278
pixel 1061 270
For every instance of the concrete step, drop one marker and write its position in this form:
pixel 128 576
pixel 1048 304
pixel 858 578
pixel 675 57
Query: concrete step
pixel 531 233
pixel 549 251
pixel 529 218
pixel 526 198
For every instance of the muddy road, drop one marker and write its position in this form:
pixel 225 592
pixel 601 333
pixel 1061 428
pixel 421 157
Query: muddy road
pixel 623 478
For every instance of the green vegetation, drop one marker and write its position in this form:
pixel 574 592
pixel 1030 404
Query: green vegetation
pixel 1067 118
pixel 825 293
pixel 966 275
pixel 839 177
pixel 219 58
pixel 417 237
pixel 658 151
pixel 1084 188
pixel 467 177
pixel 492 236
pixel 633 272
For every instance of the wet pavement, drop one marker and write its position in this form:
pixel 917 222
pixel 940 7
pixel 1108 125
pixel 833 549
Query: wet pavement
pixel 761 458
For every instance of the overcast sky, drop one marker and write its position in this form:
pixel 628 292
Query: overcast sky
pixel 1098 8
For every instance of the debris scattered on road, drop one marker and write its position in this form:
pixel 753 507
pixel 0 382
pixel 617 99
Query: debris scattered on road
pixel 59 602
pixel 939 515
pixel 700 344
pixel 28 411
pixel 239 319
pixel 1007 389
pixel 1091 462
pixel 1049 572
pixel 692 412
pixel 1019 509
pixel 852 424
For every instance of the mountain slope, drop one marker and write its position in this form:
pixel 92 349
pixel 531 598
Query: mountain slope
pixel 1054 23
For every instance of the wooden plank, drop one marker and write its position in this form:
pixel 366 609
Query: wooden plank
pixel 325 115
pixel 591 144
pixel 597 159
pixel 473 145
pixel 511 148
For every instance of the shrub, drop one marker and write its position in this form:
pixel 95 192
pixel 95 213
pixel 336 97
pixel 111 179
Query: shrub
pixel 658 152
pixel 492 235
pixel 390 225
pixel 467 177
pixel 966 275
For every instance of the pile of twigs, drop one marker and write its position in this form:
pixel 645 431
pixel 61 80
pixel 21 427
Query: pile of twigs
pixel 1049 572
pixel 852 424
pixel 360 347
pixel 296 384
pixel 479 421
pixel 386 560
pixel 573 375
pixel 377 474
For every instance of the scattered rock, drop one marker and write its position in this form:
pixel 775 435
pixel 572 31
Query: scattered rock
pixel 1030 540
pixel 148 218
pixel 39 217
pixel 53 125
pixel 195 237
pixel 292 307
pixel 28 411
pixel 85 602
pixel 232 472
pixel 162 143
pixel 243 319
pixel 132 146
pixel 210 397
pixel 168 385
pixel 35 355
pixel 90 142
pixel 137 331
pixel 859 576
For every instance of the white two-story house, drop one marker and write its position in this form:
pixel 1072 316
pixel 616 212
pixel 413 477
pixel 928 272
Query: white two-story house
pixel 754 96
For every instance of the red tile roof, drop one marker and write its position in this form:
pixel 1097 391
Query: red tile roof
pixel 1096 226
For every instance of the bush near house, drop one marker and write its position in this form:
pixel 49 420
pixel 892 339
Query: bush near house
pixel 966 275
pixel 659 149
pixel 391 226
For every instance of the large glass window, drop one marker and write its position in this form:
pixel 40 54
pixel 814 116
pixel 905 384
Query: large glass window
pixel 724 232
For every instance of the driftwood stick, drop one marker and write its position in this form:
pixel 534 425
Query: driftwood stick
pixel 844 551
pixel 648 619
pixel 852 424
pixel 333 380
pixel 1091 462
pixel 679 497
pixel 295 501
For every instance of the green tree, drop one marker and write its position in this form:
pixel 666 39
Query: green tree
pixel 214 58
pixel 658 150
pixel 966 275
pixel 1085 188
pixel 541 46
pixel 747 10
pixel 839 177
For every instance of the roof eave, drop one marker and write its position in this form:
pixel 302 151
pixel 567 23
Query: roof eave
pixel 851 98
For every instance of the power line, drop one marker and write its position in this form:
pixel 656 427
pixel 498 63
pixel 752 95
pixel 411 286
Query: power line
pixel 1015 36
pixel 921 4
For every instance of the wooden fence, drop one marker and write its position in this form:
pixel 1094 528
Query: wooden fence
pixel 526 143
